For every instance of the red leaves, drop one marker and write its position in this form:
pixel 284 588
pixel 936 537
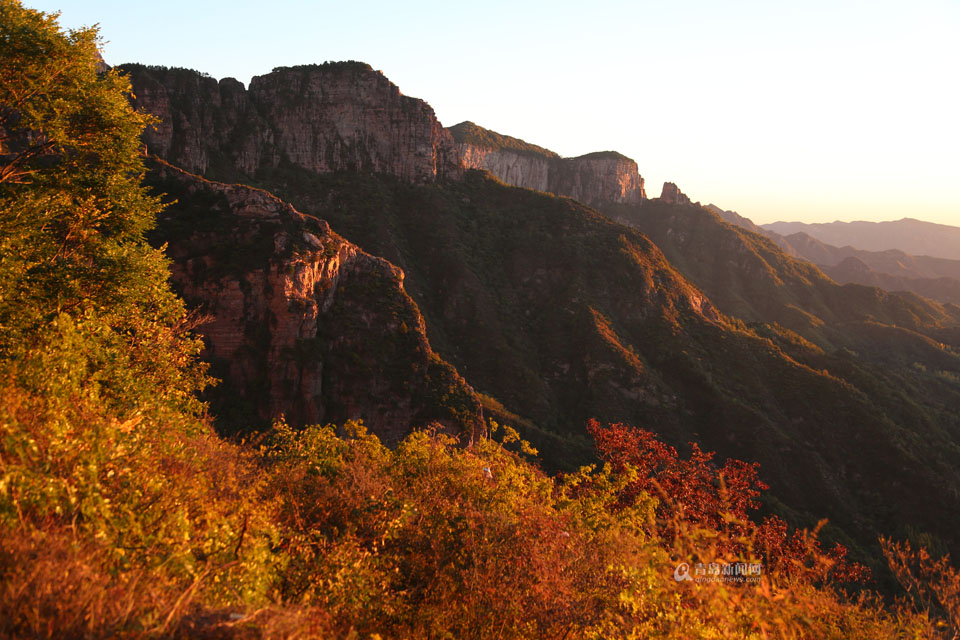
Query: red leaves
pixel 696 491
pixel 695 488
pixel 801 553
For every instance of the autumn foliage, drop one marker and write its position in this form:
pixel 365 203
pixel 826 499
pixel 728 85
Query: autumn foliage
pixel 694 489
pixel 696 492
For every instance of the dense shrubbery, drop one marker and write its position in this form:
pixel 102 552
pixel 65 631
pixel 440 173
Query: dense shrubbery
pixel 317 534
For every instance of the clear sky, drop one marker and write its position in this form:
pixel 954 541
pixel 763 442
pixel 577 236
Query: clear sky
pixel 815 111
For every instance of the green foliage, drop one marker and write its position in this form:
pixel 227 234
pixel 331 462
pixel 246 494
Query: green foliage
pixel 330 65
pixel 469 133
pixel 75 266
pixel 434 540
pixel 603 155
pixel 105 466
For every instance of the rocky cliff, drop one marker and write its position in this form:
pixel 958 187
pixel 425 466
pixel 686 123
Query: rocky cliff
pixel 597 178
pixel 348 117
pixel 301 322
pixel 323 118
pixel 518 169
pixel 671 194
pixel 594 179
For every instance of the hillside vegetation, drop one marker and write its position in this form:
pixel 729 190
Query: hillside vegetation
pixel 469 133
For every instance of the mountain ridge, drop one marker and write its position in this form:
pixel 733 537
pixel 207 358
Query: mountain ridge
pixel 412 513
pixel 909 235
pixel 891 269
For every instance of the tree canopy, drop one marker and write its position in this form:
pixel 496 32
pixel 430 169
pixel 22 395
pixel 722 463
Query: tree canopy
pixel 73 213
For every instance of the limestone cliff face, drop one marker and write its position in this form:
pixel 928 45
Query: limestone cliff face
pixel 518 169
pixel 200 120
pixel 598 178
pixel 352 119
pixel 323 118
pixel 595 179
pixel 301 322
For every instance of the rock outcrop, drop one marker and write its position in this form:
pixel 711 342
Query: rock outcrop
pixel 322 118
pixel 302 323
pixel 597 178
pixel 594 179
pixel 671 194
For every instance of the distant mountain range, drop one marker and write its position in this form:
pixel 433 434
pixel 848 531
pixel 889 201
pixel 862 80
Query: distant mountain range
pixel 892 269
pixel 908 235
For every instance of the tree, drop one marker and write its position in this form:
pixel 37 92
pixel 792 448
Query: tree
pixel 699 493
pixel 73 258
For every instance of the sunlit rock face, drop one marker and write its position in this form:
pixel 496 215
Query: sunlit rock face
pixel 671 194
pixel 322 118
pixel 348 117
pixel 596 178
pixel 518 169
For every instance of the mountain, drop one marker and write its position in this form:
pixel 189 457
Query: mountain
pixel 803 298
pixel 892 261
pixel 594 178
pixel 115 483
pixel 738 220
pixel 749 276
pixel 557 314
pixel 908 235
pixel 562 315
pixel 855 269
pixel 893 270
